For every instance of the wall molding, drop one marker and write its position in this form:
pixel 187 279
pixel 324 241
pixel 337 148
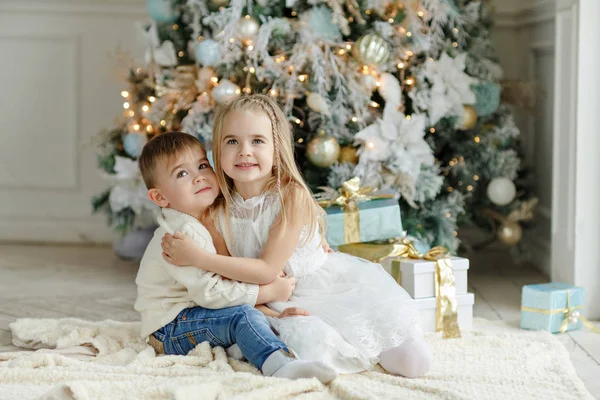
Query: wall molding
pixel 61 230
pixel 535 14
pixel 125 8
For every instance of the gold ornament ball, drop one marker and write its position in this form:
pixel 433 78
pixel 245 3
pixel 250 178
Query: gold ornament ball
pixel 372 49
pixel 469 118
pixel 247 29
pixel 323 150
pixel 348 154
pixel 510 233
pixel 219 3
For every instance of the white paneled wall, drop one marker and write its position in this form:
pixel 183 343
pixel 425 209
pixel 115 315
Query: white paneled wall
pixel 524 36
pixel 59 88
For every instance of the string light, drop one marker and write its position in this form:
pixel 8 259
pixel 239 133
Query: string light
pixel 432 130
pixel 245 69
pixel 247 17
pixel 163 123
pixel 476 139
pixel 247 90
pixel 374 104
pixel 454 44
pixel 250 48
pixel 273 92
pixel 368 12
pixel 408 117
pixel 341 52
pixel 300 140
pixel 298 121
pixel 175 27
pixel 151 99
pixel 400 65
pixel 409 53
pixel 409 81
pixel 408 34
pixel 454 233
pixel 348 47
pixel 125 93
pixel 149 129
pixel 294 13
pixel 214 79
pixel 370 145
pixel 145 108
pixel 180 54
pixel 136 127
pixel 126 105
pixel 354 119
pixel 131 113
pixel 290 69
pixel 448 215
pixel 200 38
pixel 420 14
pixel 302 78
pixel 391 20
pixel 378 84
pixel 351 19
pixel 470 187
pixel 252 70
pixel 231 40
pixel 455 30
pixel 450 189
pixel 476 177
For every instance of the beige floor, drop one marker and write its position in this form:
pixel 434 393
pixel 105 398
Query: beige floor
pixel 90 283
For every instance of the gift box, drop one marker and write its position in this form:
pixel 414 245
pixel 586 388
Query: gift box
pixel 417 276
pixel 553 307
pixel 373 220
pixel 427 310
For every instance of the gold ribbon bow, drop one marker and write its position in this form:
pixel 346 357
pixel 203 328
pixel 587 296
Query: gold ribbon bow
pixel 348 197
pixel 571 315
pixel 445 285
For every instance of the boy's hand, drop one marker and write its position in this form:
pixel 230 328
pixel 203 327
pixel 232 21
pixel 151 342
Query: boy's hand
pixel 179 249
pixel 294 312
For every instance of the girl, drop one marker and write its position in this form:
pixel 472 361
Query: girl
pixel 358 314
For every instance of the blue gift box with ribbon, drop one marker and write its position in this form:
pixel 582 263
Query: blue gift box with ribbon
pixel 377 220
pixel 553 307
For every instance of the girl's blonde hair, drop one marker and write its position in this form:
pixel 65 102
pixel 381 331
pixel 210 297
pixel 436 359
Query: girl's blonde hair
pixel 286 179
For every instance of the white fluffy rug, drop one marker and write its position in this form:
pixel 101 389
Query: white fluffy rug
pixel 106 360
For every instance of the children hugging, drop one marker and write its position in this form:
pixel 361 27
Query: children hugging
pixel 251 262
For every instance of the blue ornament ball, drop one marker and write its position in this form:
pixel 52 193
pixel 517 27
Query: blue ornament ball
pixel 487 97
pixel 208 52
pixel 133 143
pixel 162 10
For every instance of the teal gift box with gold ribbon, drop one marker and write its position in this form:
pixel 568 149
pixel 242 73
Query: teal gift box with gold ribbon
pixel 376 220
pixel 553 307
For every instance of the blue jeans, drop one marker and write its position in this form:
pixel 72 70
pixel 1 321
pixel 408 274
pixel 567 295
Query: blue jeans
pixel 244 325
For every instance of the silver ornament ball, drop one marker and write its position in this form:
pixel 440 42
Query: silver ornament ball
pixel 323 150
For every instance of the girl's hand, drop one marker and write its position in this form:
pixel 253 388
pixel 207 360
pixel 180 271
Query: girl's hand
pixel 326 246
pixel 294 312
pixel 179 249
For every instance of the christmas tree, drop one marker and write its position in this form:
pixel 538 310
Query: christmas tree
pixel 403 94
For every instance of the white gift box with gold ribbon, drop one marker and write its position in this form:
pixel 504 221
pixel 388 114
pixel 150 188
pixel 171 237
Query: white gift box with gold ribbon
pixel 427 311
pixel 417 276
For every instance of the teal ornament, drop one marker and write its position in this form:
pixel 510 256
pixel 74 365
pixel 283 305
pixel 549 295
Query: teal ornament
pixel 487 98
pixel 208 53
pixel 162 10
pixel 320 22
pixel 133 143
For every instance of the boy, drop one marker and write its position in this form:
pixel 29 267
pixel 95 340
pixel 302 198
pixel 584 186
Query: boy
pixel 182 307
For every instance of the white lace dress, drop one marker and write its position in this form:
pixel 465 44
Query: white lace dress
pixel 356 309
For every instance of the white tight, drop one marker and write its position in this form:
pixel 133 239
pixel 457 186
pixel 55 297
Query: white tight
pixel 411 359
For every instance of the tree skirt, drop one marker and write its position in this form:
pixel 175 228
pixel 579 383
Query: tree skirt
pixel 77 359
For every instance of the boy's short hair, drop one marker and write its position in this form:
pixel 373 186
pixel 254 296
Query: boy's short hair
pixel 161 148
